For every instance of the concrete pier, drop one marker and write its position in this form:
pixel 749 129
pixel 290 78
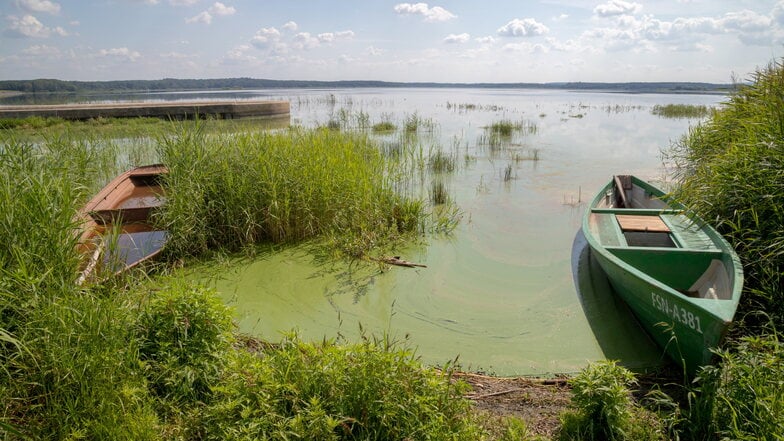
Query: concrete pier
pixel 171 110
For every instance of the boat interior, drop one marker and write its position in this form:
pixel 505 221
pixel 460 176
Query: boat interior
pixel 121 234
pixel 641 229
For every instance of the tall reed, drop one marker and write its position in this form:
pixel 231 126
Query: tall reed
pixel 235 191
pixel 731 168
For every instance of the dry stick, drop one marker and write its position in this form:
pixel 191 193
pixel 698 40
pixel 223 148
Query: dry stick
pixel 494 394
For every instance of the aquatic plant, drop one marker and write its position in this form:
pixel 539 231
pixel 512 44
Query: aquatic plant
pixel 384 126
pixel 439 195
pixel 681 110
pixel 440 161
pixel 506 173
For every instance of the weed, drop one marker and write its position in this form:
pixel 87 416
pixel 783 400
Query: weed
pixel 605 409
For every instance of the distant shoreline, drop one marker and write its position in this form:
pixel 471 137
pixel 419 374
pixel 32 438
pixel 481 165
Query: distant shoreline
pixel 193 85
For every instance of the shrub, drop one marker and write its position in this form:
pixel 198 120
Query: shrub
pixel 369 391
pixel 742 397
pixel 604 407
pixel 185 334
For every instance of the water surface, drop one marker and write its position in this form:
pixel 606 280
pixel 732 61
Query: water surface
pixel 501 292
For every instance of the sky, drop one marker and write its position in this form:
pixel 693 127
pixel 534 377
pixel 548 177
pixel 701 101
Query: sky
pixel 466 41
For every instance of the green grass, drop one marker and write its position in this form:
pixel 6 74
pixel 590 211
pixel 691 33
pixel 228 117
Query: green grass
pixel 40 128
pixel 741 398
pixel 375 390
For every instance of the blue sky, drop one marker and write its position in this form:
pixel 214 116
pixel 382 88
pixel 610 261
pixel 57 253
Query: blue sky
pixel 448 41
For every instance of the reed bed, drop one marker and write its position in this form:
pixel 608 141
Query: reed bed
pixel 681 111
pixel 230 192
pixel 731 169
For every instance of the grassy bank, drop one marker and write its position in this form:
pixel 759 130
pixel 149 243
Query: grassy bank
pixel 731 169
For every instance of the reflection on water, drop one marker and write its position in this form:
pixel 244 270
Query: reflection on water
pixel 500 292
pixel 613 324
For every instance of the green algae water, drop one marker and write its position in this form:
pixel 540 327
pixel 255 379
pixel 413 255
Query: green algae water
pixel 512 291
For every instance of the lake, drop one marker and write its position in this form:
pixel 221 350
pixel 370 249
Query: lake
pixel 502 293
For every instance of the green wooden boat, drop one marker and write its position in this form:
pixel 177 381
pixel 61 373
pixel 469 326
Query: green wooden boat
pixel 678 275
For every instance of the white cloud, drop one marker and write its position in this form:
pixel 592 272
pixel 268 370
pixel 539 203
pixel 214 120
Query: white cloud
pixel 746 21
pixel 617 7
pixel 181 2
pixel 46 6
pixel 217 9
pixel 202 17
pixel 41 50
pixel 291 26
pixel 436 13
pixel 486 40
pixel 374 51
pixel 29 26
pixel 457 38
pixel 264 37
pixel 526 27
pixel 329 37
pixel 304 40
pixel 175 55
pixel 122 53
pixel 777 14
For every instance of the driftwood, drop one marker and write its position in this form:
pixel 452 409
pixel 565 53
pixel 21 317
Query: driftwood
pixel 396 260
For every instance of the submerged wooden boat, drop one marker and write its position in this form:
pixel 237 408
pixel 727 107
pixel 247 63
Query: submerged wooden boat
pixel 117 230
pixel 678 275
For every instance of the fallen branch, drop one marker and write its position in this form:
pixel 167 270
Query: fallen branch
pixel 396 260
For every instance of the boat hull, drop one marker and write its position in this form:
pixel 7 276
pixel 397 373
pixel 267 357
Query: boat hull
pixel 679 277
pixel 685 331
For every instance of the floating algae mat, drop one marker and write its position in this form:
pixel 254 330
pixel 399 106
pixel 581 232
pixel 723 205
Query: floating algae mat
pixel 512 291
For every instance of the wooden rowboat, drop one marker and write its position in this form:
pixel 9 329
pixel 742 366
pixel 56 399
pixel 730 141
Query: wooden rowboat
pixel 678 275
pixel 117 229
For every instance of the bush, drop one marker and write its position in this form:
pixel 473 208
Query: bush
pixel 369 391
pixel 604 408
pixel 742 398
pixel 185 335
